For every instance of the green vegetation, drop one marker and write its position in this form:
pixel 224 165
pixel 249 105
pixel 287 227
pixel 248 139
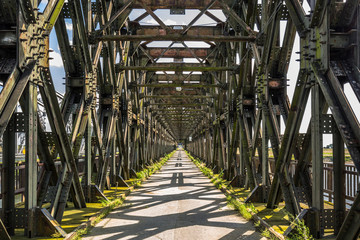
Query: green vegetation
pixel 266 233
pixel 278 219
pixel 301 231
pixel 110 205
pixel 147 171
pixel 240 207
pixel 222 184
pixel 328 155
pixel 82 220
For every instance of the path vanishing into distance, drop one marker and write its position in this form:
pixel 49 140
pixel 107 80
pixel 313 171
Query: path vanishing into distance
pixel 178 202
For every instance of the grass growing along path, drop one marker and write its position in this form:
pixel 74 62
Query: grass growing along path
pixel 277 219
pixel 94 212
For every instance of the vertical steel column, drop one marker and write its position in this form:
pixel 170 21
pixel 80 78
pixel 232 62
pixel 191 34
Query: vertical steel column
pixel 221 149
pixel 113 161
pixel 158 142
pixel 265 153
pixel 317 160
pixel 31 156
pixel 339 179
pixel 88 158
pixel 241 151
pixel 88 152
pixel 208 148
pixel 215 147
pixel 8 176
pixel 154 137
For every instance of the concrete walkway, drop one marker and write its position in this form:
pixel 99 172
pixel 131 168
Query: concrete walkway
pixel 178 202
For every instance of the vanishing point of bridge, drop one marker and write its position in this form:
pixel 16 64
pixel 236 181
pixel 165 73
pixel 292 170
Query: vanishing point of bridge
pixel 92 92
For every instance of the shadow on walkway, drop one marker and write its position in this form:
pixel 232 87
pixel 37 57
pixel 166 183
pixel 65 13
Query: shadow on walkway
pixel 176 203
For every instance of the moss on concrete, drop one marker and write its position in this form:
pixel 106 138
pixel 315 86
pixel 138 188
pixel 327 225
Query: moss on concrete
pixel 277 218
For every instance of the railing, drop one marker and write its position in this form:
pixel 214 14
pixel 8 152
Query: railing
pixel 351 182
pixel 351 178
pixel 20 174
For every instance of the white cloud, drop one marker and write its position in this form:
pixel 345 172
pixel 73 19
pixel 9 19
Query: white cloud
pixel 46 1
pixel 171 22
pixel 57 60
pixel 166 22
pixel 151 21
pixel 69 26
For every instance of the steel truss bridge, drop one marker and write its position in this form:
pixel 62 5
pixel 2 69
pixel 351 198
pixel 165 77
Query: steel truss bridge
pixel 124 108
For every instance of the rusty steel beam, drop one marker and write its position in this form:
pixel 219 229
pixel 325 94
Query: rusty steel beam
pixel 177 38
pixel 178 52
pixel 173 29
pixel 117 14
pixel 176 109
pixel 179 104
pixel 177 67
pixel 177 77
pixel 169 85
pixel 173 91
pixel 169 4
pixel 177 96
pixel 179 119
pixel 185 114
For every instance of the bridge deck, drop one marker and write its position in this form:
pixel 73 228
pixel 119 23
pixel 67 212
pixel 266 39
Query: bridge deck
pixel 176 203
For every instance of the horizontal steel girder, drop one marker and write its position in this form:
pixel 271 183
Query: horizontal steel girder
pixel 177 77
pixel 178 110
pixel 179 104
pixel 177 96
pixel 176 37
pixel 178 52
pixel 177 67
pixel 177 30
pixel 182 118
pixel 183 114
pixel 168 4
pixel 170 85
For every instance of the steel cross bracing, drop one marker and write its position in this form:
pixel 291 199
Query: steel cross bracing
pixel 124 108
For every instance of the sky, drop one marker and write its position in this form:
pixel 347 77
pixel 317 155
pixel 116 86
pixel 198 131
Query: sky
pixel 58 74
